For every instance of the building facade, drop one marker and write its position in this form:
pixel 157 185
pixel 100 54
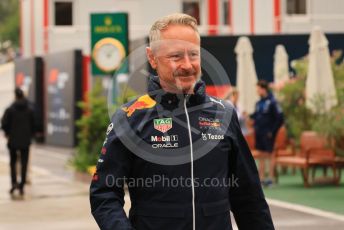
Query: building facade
pixel 49 26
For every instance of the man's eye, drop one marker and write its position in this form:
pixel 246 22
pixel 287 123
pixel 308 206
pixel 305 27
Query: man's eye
pixel 175 57
pixel 194 55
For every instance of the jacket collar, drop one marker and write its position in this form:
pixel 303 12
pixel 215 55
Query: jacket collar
pixel 165 98
pixel 269 96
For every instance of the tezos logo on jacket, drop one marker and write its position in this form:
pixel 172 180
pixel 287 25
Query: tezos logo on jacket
pixel 163 124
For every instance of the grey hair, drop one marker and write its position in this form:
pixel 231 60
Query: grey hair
pixel 172 19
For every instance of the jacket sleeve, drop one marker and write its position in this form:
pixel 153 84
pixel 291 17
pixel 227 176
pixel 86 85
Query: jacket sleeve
pixel 248 203
pixel 278 117
pixel 253 115
pixel 6 122
pixel 106 191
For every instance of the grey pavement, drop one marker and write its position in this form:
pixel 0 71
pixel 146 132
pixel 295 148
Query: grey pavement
pixel 6 85
pixel 286 219
pixel 54 200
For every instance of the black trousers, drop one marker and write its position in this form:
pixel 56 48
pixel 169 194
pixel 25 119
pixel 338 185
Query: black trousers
pixel 24 158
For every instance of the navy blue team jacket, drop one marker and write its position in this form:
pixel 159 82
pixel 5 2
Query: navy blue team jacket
pixel 268 118
pixel 148 148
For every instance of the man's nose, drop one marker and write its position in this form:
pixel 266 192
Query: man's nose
pixel 186 62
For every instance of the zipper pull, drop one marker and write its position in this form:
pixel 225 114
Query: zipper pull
pixel 186 98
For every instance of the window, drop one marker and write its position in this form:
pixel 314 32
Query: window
pixel 63 13
pixel 192 8
pixel 226 13
pixel 296 7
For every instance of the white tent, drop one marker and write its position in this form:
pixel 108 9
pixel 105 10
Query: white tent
pixel 246 77
pixel 281 69
pixel 320 82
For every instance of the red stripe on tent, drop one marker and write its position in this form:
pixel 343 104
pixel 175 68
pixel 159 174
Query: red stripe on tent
pixel 85 75
pixel 45 27
pixel 277 16
pixel 252 16
pixel 212 16
pixel 86 62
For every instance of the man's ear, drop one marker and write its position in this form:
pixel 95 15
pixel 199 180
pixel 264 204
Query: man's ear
pixel 151 57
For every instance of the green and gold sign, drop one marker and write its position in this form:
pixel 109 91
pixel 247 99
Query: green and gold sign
pixel 109 43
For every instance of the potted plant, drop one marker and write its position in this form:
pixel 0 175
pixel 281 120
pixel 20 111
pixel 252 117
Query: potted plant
pixel 91 131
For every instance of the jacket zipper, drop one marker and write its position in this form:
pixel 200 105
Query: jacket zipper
pixel 192 171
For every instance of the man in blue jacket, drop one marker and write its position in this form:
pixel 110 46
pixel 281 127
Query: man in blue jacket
pixel 268 118
pixel 180 153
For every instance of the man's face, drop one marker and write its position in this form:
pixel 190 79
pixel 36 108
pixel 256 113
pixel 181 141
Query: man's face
pixel 235 97
pixel 261 91
pixel 176 58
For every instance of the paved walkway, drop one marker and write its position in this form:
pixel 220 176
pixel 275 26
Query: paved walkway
pixel 51 202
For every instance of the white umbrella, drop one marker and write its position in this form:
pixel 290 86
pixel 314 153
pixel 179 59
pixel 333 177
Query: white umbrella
pixel 319 83
pixel 281 70
pixel 246 76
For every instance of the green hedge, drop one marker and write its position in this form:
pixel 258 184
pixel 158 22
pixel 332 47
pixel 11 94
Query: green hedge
pixel 91 128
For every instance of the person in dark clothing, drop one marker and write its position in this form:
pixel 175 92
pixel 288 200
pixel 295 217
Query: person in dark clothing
pixel 268 118
pixel 18 125
pixel 180 152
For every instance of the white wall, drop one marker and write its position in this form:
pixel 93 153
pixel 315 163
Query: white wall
pixel 38 27
pixel 154 9
pixel 26 28
pixel 6 86
pixel 142 14
pixel 264 16
pixel 62 39
pixel 241 16
pixel 330 7
pixel 71 37
pixel 327 14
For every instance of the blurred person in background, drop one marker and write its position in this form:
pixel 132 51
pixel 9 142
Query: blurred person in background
pixel 267 118
pixel 18 125
pixel 233 97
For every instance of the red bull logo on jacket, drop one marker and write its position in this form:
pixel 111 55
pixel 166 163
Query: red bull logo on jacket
pixel 143 102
